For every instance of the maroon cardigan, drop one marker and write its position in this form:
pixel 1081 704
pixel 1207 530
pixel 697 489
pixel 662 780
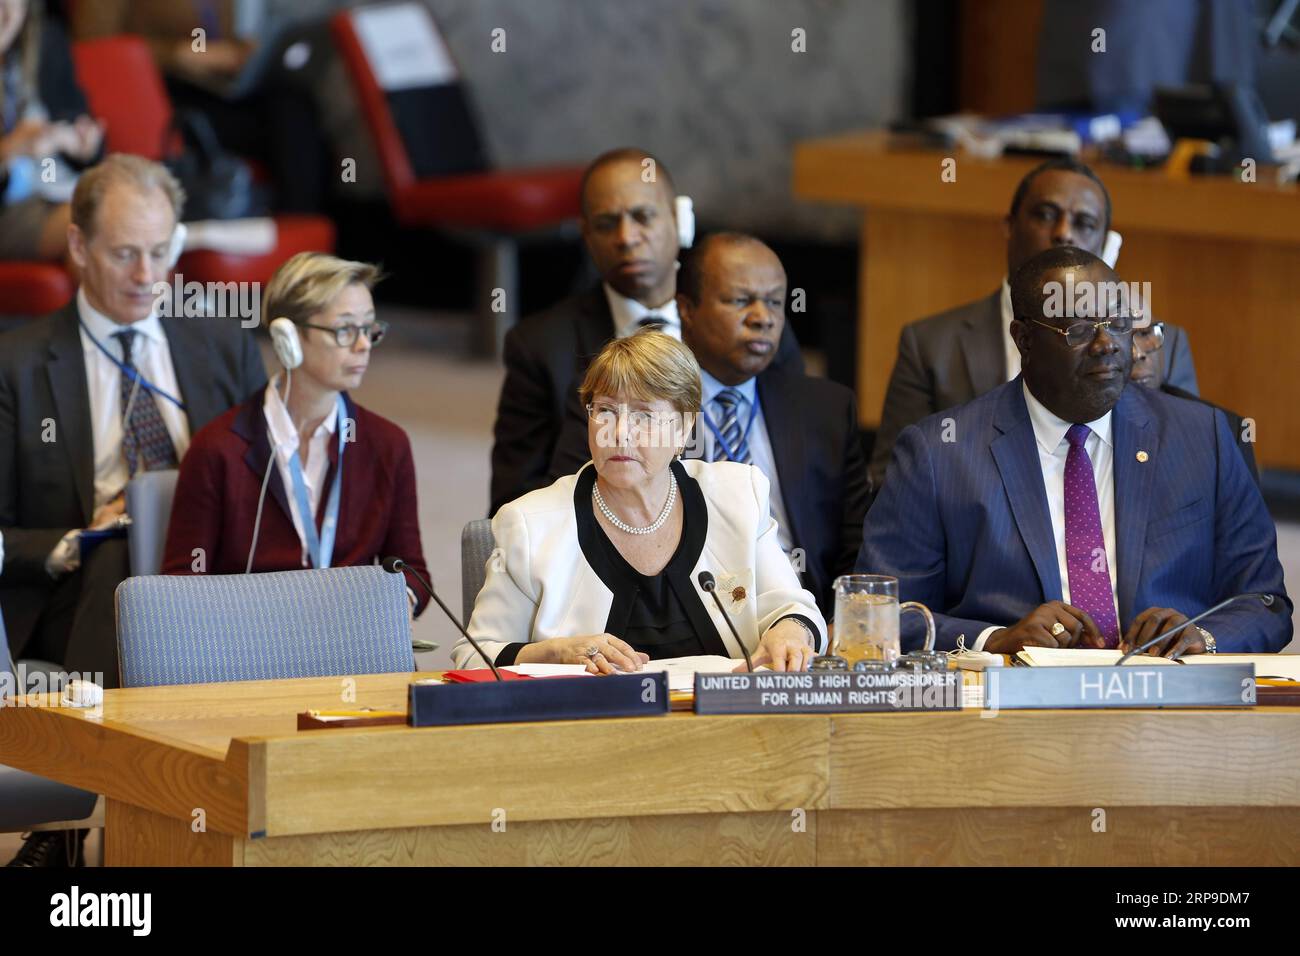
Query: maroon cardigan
pixel 221 476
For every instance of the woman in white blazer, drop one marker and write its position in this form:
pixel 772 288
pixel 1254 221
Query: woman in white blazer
pixel 601 568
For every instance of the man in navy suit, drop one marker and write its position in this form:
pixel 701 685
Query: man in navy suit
pixel 1065 509
pixel 800 431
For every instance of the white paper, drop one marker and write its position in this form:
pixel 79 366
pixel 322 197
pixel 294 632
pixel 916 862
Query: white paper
pixel 548 670
pixel 403 47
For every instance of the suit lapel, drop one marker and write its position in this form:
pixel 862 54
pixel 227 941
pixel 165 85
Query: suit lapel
pixel 981 346
pixel 595 327
pixel 193 363
pixel 1132 432
pixel 66 369
pixel 1015 451
pixel 250 425
pixel 785 435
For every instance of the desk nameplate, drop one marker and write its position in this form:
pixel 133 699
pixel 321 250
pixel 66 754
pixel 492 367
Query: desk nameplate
pixel 826 692
pixel 1162 685
pixel 547 698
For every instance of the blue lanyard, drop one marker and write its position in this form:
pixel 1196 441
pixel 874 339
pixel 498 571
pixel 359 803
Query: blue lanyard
pixel 320 548
pixel 744 437
pixel 131 373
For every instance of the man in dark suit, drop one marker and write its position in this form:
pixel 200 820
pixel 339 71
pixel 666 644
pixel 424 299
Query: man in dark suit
pixel 90 395
pixel 629 226
pixel 1149 371
pixel 802 432
pixel 948 359
pixel 1066 509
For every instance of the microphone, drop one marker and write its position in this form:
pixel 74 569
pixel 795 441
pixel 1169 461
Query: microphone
pixel 711 586
pixel 1268 600
pixel 396 566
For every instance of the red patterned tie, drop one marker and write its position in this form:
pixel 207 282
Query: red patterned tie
pixel 146 443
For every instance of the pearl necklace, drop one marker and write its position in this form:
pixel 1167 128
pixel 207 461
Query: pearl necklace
pixel 624 526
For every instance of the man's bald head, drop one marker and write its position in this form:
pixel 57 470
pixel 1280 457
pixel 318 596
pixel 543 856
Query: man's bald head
pixel 647 167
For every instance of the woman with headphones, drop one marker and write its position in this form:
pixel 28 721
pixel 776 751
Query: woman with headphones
pixel 299 475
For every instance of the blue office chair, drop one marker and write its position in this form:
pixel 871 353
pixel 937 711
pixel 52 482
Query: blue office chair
pixel 26 800
pixel 200 629
pixel 476 545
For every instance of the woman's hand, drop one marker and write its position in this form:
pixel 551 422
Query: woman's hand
pixel 787 646
pixel 601 653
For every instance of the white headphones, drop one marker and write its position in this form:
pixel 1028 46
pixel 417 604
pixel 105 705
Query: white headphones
pixel 685 209
pixel 177 245
pixel 285 341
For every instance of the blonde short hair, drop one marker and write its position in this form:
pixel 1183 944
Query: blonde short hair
pixel 307 283
pixel 143 174
pixel 646 366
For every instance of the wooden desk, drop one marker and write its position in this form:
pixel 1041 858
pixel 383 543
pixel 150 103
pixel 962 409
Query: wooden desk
pixel 1222 257
pixel 1177 787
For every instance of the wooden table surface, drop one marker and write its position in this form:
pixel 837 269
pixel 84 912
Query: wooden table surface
pixel 896 787
pixel 1220 255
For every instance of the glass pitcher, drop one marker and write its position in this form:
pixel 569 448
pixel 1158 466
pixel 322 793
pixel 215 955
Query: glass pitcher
pixel 867 613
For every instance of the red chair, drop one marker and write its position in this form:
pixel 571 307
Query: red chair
pixel 496 207
pixel 125 89
pixel 34 288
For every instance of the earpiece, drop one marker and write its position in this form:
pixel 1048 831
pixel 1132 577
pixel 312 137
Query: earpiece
pixel 1110 251
pixel 177 245
pixel 685 209
pixel 285 341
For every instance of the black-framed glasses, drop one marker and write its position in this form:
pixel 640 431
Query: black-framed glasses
pixel 1079 334
pixel 346 335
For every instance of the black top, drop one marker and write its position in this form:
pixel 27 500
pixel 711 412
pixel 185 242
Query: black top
pixel 660 615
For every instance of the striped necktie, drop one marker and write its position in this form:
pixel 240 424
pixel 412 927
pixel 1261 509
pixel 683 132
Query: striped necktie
pixel 734 445
pixel 146 443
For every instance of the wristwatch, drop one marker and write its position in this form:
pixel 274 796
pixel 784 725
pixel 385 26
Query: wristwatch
pixel 1208 638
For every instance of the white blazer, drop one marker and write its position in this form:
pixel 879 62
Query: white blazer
pixel 540 585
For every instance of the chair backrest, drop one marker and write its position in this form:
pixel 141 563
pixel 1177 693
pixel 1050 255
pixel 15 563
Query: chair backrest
pixel 180 629
pixel 149 503
pixel 125 89
pixel 476 545
pixel 410 93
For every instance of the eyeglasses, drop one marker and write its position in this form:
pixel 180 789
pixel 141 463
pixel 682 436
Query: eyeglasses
pixel 1080 334
pixel 1149 339
pixel 346 335
pixel 606 416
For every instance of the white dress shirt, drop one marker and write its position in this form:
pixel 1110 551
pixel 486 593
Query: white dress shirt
pixel 1053 449
pixel 1008 343
pixel 153 359
pixel 628 312
pixel 760 444
pixel 284 441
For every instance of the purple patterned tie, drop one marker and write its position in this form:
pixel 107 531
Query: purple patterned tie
pixel 1085 548
pixel 146 443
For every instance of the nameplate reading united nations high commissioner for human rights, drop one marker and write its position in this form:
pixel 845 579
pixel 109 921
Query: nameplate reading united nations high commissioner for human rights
pixel 823 692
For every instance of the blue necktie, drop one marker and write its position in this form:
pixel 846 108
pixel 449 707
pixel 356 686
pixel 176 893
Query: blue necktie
pixel 146 443
pixel 733 446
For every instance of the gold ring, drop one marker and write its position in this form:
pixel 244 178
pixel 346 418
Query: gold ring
pixel 1058 629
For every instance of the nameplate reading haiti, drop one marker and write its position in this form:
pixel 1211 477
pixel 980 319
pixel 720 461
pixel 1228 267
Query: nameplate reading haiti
pixel 826 692
pixel 1220 685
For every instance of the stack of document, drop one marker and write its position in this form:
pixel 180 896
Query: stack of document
pixel 1277 666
